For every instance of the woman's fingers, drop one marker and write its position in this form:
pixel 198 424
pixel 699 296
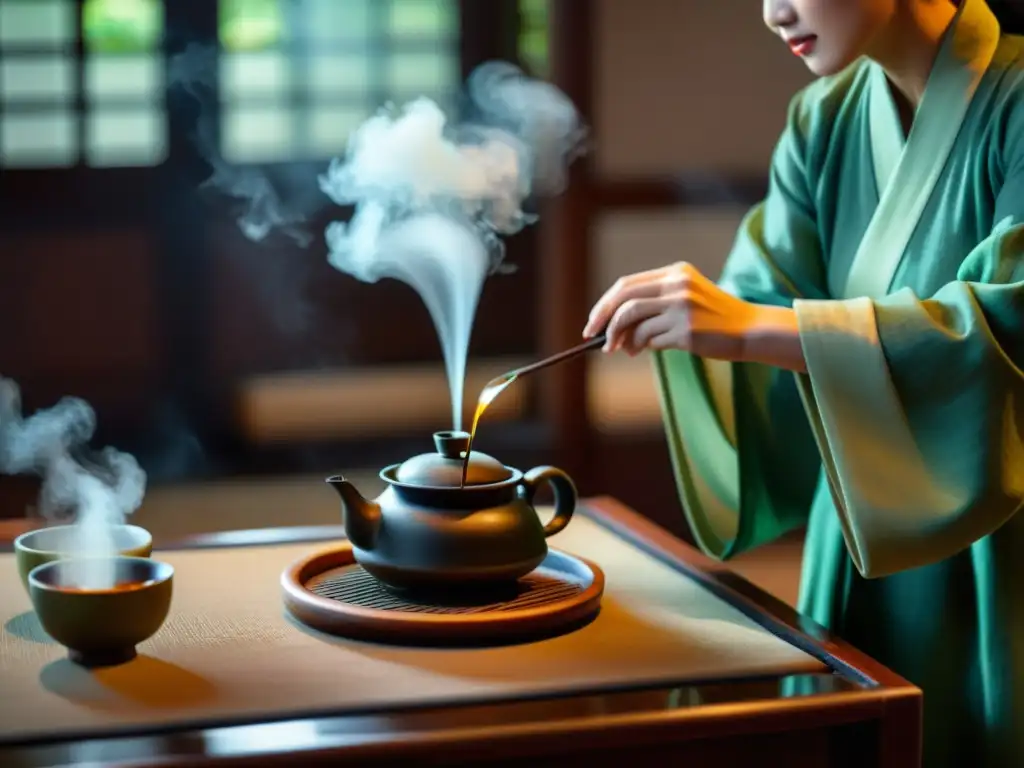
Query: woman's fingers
pixel 613 301
pixel 630 314
pixel 645 331
pixel 669 339
pixel 638 337
pixel 639 286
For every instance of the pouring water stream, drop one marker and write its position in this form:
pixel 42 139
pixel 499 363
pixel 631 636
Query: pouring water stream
pixel 499 384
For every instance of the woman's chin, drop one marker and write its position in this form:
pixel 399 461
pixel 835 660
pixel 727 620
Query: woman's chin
pixel 825 66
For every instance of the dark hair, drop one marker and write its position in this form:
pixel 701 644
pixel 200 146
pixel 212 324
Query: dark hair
pixel 1010 14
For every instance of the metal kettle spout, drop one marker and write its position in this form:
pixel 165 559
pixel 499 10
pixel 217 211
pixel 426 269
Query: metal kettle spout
pixel 360 517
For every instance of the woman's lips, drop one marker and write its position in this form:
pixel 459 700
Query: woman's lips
pixel 802 46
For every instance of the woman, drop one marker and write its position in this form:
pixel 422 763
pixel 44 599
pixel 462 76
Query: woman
pixel 868 335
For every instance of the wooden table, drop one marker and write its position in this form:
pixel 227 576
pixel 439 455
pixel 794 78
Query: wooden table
pixel 853 712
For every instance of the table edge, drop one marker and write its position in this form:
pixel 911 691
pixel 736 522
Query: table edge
pixel 882 687
pixel 772 614
pixel 768 611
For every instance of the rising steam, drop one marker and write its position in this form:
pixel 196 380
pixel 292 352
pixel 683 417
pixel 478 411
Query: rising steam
pixel 98 489
pixel 433 199
pixel 267 201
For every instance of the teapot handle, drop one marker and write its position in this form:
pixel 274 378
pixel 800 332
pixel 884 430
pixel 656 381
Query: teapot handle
pixel 565 495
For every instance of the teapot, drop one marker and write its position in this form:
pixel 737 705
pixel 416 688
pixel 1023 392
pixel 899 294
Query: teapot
pixel 429 531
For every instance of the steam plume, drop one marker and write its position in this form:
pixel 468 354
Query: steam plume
pixel 98 489
pixel 279 200
pixel 433 199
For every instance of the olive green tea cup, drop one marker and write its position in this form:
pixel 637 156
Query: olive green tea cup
pixel 57 543
pixel 101 627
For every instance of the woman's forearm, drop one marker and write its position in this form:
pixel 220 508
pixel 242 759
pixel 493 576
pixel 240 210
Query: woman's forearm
pixel 774 339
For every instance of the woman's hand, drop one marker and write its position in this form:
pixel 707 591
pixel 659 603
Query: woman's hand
pixel 676 307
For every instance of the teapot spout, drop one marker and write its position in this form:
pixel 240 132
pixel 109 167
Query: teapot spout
pixel 360 517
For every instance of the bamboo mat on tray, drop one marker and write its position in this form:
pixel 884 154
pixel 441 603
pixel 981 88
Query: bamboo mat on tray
pixel 228 651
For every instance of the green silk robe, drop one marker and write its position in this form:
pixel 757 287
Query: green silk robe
pixel 902 448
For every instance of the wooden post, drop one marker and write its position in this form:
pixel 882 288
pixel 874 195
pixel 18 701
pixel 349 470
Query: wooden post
pixel 565 255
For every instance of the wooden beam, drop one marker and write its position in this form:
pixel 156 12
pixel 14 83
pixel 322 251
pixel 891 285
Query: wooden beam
pixel 487 32
pixel 566 253
pixel 686 189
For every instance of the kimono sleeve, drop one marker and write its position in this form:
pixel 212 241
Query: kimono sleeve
pixel 918 404
pixel 744 458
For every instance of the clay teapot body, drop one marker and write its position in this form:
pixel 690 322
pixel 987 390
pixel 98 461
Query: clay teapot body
pixel 426 532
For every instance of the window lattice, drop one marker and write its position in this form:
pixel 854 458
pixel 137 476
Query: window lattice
pixel 297 76
pixel 98 102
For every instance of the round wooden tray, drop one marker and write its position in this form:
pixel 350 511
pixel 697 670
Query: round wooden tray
pixel 329 592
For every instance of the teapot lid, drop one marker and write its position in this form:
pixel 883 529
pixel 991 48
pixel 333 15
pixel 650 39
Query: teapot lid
pixel 443 469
